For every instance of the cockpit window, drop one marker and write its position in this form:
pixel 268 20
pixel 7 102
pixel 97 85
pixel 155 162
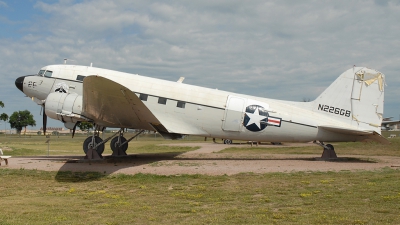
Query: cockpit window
pixel 41 72
pixel 48 73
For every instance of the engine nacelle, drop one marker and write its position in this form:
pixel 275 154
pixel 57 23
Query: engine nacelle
pixel 66 107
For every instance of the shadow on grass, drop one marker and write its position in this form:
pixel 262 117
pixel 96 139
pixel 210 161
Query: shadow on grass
pixel 77 169
pixel 84 170
pixel 74 177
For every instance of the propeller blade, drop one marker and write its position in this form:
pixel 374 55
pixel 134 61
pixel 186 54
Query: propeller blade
pixel 73 130
pixel 44 121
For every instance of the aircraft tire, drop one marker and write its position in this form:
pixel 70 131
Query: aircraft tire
pixel 113 144
pixel 88 143
pixel 330 147
pixel 227 141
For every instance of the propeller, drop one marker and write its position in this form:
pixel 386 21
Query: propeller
pixel 73 130
pixel 44 120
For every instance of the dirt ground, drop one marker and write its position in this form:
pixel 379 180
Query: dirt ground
pixel 205 160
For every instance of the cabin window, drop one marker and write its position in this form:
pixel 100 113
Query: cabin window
pixel 48 73
pixel 162 101
pixel 180 104
pixel 143 97
pixel 80 77
pixel 41 72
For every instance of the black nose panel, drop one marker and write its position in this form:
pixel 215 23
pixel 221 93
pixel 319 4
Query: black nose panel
pixel 19 82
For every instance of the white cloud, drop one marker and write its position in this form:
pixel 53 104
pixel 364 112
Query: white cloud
pixel 277 49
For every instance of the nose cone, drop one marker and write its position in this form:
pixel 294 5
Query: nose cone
pixel 19 82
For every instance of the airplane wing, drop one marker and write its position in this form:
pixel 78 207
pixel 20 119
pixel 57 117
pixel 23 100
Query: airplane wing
pixel 111 104
pixel 390 122
pixel 369 135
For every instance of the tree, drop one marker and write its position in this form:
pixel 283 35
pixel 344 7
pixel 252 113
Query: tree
pixel 21 119
pixel 4 117
pixel 85 126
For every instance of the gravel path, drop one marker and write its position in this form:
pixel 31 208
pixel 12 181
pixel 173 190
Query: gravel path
pixel 205 160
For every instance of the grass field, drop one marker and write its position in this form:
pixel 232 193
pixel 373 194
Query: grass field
pixel 37 197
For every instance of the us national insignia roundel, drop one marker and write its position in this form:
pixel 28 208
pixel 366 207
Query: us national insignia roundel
pixel 257 118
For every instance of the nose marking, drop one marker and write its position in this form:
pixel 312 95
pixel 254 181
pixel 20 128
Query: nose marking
pixel 19 82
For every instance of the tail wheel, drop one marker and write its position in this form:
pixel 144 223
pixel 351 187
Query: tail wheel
pixel 114 144
pixel 87 144
pixel 227 141
pixel 330 147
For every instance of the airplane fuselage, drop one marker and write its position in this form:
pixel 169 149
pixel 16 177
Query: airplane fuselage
pixel 195 110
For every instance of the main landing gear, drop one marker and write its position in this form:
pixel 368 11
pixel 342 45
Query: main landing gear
pixel 119 144
pixel 329 151
pixel 94 146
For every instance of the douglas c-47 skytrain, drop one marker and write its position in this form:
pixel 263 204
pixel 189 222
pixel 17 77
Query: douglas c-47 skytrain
pixel 350 109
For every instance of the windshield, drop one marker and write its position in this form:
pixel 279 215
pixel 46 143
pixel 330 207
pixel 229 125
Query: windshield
pixel 41 72
pixel 48 73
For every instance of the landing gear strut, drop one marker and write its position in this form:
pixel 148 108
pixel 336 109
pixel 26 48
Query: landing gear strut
pixel 119 144
pixel 329 151
pixel 94 146
pixel 116 147
pixel 88 144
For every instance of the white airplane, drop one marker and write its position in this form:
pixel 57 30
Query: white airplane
pixel 387 123
pixel 350 109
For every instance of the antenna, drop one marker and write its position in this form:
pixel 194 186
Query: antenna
pixel 65 60
pixel 181 79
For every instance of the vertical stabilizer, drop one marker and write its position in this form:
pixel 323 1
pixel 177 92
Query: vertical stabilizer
pixel 356 97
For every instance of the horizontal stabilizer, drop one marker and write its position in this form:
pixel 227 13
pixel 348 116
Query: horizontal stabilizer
pixel 366 135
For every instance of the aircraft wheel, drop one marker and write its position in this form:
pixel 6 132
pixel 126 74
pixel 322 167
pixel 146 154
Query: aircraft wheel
pixel 114 142
pixel 227 141
pixel 330 147
pixel 88 144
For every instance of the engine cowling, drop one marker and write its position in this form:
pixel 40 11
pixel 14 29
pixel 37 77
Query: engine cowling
pixel 66 107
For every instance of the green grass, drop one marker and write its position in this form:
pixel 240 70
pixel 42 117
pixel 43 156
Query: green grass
pixel 35 145
pixel 35 197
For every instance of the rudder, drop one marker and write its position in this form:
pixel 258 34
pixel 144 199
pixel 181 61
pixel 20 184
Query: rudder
pixel 356 98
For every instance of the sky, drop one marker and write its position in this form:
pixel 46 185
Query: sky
pixel 288 50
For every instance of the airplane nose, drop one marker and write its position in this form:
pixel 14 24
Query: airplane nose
pixel 19 82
